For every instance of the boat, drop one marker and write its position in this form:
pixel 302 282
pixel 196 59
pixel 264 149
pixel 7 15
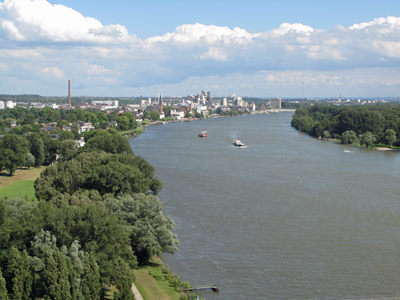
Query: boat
pixel 163 123
pixel 203 134
pixel 238 143
pixel 348 151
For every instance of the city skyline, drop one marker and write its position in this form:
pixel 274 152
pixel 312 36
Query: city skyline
pixel 257 49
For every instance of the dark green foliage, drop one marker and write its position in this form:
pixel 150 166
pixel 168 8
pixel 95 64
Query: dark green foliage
pixel 108 174
pixel 66 135
pixel 91 281
pixel 3 288
pixel 114 144
pixel 123 280
pixel 314 120
pixel 19 269
pixel 367 139
pixel 55 273
pixel 100 233
pixel 390 136
pixel 154 115
pixel 12 151
pixel 349 137
pixel 66 150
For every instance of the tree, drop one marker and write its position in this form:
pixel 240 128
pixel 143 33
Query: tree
pixel 29 160
pixel 21 275
pixel 14 148
pixel 91 281
pixel 390 137
pixel 3 288
pixel 11 160
pixel 146 115
pixel 368 139
pixel 167 110
pixel 124 279
pixel 123 123
pixel 150 231
pixel 56 276
pixel 66 135
pixel 326 134
pixel 106 173
pixel 37 148
pixel 349 137
pixel 108 143
pixel 66 150
pixel 154 115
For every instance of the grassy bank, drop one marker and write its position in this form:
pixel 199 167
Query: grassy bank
pixel 153 283
pixel 20 184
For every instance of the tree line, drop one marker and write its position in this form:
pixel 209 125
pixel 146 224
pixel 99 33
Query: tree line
pixel 365 125
pixel 97 217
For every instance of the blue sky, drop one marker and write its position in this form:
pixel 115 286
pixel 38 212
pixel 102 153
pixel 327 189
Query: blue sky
pixel 251 48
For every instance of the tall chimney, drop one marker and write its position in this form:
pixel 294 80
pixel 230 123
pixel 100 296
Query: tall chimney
pixel 69 93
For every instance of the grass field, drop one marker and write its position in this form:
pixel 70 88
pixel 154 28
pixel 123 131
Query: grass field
pixel 20 184
pixel 151 288
pixel 19 189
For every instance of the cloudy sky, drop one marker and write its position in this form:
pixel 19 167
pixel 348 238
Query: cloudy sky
pixel 252 48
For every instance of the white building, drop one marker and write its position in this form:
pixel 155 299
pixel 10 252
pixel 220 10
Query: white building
pixel 112 103
pixel 53 105
pixel 10 104
pixel 224 102
pixel 1 104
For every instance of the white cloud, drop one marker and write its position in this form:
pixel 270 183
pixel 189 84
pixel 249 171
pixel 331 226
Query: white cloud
pixel 34 20
pixel 4 67
pixel 54 71
pixel 37 37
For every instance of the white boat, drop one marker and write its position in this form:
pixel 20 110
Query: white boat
pixel 238 143
pixel 203 134
pixel 348 151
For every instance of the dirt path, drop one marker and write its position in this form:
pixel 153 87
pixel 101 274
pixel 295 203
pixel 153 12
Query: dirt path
pixel 136 292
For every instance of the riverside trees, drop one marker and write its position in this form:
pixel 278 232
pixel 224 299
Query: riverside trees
pixel 349 123
pixel 97 217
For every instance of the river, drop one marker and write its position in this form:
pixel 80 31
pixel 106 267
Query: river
pixel 289 217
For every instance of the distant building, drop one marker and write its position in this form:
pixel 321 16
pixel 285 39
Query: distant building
pixel 113 103
pixel 10 104
pixel 275 102
pixel 2 105
pixel 224 102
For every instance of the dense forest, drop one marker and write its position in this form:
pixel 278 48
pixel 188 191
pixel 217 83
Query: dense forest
pixel 97 217
pixel 365 125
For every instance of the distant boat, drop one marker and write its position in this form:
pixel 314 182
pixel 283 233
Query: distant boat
pixel 348 151
pixel 238 143
pixel 203 134
pixel 163 123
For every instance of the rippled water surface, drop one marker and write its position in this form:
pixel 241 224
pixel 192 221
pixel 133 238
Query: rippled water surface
pixel 289 217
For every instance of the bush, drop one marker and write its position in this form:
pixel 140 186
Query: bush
pixel 396 143
pixel 186 285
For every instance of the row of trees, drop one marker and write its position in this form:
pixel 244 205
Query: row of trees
pixel 97 218
pixel 366 125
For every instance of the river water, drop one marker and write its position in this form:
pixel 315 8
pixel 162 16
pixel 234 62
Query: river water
pixel 289 217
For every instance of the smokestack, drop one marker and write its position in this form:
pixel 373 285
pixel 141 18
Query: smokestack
pixel 69 93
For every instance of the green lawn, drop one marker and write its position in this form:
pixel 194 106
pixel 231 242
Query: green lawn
pixel 19 189
pixel 151 288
